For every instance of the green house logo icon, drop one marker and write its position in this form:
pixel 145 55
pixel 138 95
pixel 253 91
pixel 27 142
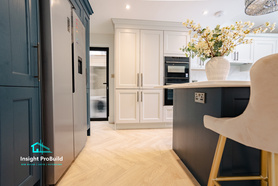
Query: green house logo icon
pixel 38 147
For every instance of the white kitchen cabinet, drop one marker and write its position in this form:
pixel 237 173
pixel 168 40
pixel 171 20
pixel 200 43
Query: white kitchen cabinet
pixel 138 106
pixel 168 114
pixel 151 104
pixel 242 54
pixel 127 58
pixel 127 106
pixel 173 41
pixel 151 58
pixel 138 64
pixel 264 47
pixel 197 64
pixel 140 47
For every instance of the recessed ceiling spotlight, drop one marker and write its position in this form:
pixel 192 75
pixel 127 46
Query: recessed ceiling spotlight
pixel 205 12
pixel 219 13
pixel 127 7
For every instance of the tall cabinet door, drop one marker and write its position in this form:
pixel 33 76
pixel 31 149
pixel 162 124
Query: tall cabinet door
pixel 127 58
pixel 19 37
pixel 151 106
pixel 19 129
pixel 151 58
pixel 127 106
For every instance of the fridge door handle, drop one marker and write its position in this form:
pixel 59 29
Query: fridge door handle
pixel 38 61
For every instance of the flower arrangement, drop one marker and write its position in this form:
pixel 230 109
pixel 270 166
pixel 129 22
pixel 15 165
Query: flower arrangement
pixel 207 43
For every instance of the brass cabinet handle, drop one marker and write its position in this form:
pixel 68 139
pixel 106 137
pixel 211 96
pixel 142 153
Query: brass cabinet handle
pixel 38 61
pixel 141 79
pixel 137 79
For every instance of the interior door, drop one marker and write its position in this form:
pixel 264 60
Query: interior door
pixel 99 80
pixel 19 91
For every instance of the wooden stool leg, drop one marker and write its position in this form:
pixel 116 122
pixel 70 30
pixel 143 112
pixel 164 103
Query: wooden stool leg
pixel 276 168
pixel 272 169
pixel 217 159
pixel 264 167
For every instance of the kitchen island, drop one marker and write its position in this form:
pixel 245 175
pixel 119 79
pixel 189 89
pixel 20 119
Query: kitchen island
pixel 195 145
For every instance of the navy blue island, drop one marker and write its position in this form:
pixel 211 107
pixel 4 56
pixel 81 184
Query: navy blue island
pixel 195 145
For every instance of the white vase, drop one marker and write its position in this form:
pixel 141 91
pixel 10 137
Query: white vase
pixel 217 69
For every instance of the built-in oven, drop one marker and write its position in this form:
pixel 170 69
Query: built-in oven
pixel 176 71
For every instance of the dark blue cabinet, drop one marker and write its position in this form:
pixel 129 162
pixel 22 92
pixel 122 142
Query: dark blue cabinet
pixel 19 91
pixel 18 36
pixel 19 129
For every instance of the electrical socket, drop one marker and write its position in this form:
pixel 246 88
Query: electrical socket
pixel 200 97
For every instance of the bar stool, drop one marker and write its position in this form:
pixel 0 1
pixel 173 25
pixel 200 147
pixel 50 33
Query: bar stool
pixel 256 127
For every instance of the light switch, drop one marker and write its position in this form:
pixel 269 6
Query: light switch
pixel 200 97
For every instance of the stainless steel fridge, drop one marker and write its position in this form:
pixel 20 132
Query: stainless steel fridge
pixel 64 85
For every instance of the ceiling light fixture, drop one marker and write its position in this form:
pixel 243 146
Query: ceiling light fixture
pixel 219 13
pixel 127 7
pixel 205 12
pixel 260 7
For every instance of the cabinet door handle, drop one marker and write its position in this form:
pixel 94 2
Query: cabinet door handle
pixel 237 56
pixel 141 96
pixel 234 56
pixel 137 94
pixel 38 61
pixel 137 79
pixel 141 79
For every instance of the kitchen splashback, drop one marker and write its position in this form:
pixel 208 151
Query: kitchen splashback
pixel 235 74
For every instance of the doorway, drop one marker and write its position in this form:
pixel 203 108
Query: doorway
pixel 99 83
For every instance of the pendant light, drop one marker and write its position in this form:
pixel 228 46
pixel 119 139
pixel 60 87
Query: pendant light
pixel 260 7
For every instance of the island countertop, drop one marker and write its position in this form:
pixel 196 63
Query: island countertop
pixel 208 84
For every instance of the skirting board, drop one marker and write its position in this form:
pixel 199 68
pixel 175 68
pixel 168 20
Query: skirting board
pixel 143 125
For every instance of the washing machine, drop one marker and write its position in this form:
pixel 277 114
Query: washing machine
pixel 98 107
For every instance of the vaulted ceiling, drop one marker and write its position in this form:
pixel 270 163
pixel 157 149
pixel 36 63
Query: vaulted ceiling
pixel 172 10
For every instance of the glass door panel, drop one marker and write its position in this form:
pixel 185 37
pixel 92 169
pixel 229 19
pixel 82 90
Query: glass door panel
pixel 99 84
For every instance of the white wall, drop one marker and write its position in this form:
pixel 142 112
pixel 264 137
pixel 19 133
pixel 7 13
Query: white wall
pixel 235 74
pixel 107 40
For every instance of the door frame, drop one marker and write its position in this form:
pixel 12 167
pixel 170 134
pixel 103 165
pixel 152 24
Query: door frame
pixel 106 49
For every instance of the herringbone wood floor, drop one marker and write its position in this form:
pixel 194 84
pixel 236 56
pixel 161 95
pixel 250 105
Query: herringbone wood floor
pixel 127 158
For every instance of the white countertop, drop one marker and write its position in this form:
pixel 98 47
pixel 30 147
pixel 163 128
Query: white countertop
pixel 209 84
